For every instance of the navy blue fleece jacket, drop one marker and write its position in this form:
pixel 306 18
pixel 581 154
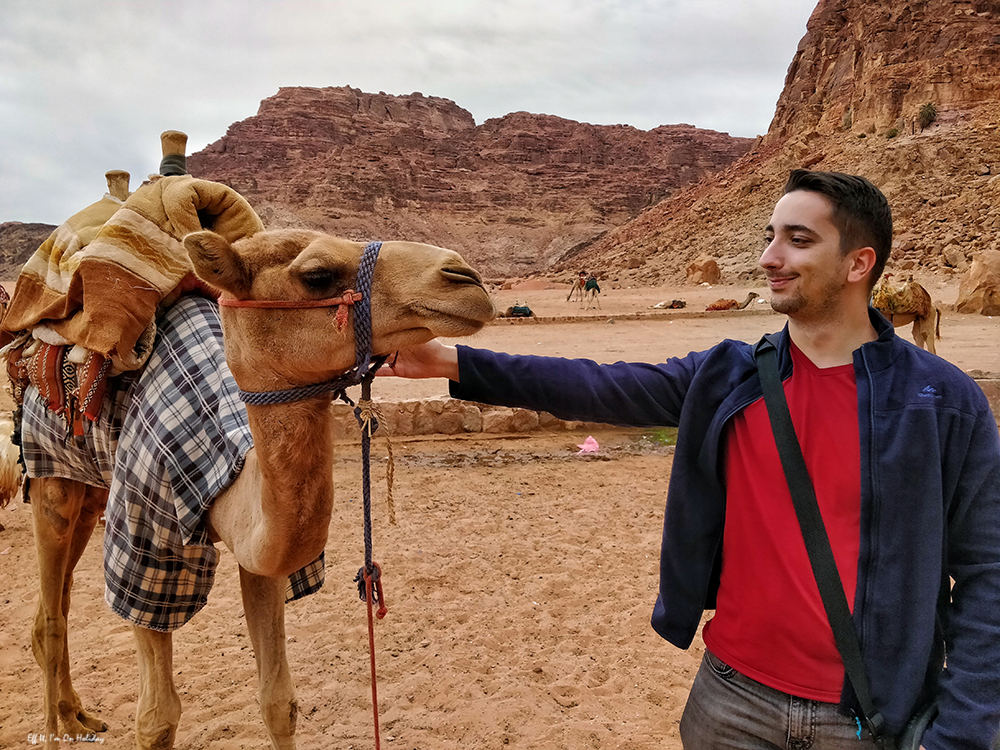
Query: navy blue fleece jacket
pixel 930 496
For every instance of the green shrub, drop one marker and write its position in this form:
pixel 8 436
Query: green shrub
pixel 862 135
pixel 660 436
pixel 928 114
pixel 892 132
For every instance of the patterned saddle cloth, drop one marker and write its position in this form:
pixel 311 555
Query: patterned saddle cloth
pixel 168 439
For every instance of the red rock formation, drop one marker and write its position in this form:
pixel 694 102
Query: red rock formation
pixel 871 66
pixel 17 242
pixel 511 194
pixel 851 101
pixel 980 288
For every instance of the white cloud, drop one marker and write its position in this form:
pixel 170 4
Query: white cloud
pixel 87 86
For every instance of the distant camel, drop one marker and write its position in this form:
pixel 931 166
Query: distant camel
pixel 909 303
pixel 578 284
pixel 517 310
pixel 731 304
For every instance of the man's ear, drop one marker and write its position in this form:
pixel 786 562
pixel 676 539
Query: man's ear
pixel 860 264
pixel 216 263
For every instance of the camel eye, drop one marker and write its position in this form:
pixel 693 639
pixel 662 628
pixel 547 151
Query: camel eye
pixel 320 280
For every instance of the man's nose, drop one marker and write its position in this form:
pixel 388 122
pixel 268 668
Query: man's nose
pixel 771 257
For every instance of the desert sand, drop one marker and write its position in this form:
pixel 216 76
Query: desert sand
pixel 519 579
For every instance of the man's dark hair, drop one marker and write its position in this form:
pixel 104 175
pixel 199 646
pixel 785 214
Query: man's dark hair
pixel 861 212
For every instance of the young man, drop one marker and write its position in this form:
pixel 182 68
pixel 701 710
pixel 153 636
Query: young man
pixel 905 457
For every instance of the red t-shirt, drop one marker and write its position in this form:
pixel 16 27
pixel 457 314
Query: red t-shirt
pixel 769 621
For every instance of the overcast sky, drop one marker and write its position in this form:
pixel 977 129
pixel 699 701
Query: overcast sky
pixel 88 85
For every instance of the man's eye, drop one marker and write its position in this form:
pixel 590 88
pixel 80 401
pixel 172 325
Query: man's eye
pixel 768 239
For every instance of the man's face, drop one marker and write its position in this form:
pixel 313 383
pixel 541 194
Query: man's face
pixel 805 269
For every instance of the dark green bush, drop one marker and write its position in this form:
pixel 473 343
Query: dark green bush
pixel 928 114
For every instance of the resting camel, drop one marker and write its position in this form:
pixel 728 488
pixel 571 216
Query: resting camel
pixel 731 304
pixel 275 512
pixel 909 303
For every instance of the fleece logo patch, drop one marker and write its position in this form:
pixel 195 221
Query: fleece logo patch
pixel 929 392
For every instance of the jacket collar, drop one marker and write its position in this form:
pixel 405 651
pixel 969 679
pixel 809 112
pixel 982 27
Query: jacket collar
pixel 878 353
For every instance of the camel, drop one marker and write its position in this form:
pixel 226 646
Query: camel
pixel 674 304
pixel 731 304
pixel 578 286
pixel 517 310
pixel 275 513
pixel 909 303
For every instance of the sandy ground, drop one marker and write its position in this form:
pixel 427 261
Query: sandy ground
pixel 520 579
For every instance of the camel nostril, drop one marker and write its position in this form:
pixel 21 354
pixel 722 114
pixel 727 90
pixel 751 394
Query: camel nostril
pixel 462 276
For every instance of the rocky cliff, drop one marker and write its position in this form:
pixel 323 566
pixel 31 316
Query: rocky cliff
pixel 513 194
pixel 852 101
pixel 17 242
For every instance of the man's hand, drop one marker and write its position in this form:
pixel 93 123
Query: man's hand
pixel 430 360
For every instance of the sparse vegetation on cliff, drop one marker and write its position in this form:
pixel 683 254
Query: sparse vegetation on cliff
pixel 927 115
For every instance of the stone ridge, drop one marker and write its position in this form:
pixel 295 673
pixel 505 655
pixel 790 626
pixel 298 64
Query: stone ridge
pixel 513 194
pixel 851 103
pixel 868 67
pixel 17 242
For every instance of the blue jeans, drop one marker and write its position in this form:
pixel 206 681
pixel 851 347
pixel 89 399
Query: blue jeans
pixel 726 709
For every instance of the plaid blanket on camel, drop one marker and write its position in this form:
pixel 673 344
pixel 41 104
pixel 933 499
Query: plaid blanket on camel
pixel 168 440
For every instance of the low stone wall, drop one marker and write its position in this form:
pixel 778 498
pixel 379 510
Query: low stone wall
pixel 447 416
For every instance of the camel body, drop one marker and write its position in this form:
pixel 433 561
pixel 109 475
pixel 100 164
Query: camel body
pixel 908 303
pixel 731 304
pixel 274 515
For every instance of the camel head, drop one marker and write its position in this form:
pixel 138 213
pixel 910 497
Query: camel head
pixel 418 292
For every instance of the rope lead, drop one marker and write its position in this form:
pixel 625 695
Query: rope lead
pixel 369 577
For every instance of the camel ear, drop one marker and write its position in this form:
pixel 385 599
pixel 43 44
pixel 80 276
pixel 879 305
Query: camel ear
pixel 217 263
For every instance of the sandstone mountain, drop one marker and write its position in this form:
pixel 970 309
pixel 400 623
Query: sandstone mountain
pixel 852 102
pixel 513 194
pixel 17 242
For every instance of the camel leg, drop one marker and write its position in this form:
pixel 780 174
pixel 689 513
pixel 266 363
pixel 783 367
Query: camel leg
pixel 159 708
pixel 264 605
pixel 923 334
pixel 75 718
pixel 927 329
pixel 64 513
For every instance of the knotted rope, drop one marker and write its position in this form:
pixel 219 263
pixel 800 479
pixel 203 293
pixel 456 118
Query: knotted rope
pixel 369 577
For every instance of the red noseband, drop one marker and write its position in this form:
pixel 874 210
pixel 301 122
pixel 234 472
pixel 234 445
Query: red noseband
pixel 347 298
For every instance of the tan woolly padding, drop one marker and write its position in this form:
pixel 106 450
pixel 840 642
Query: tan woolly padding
pixel 901 299
pixel 98 279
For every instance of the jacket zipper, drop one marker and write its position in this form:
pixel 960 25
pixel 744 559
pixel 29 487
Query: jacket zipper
pixel 869 572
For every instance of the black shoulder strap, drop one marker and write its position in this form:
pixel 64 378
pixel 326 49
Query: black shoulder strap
pixel 824 567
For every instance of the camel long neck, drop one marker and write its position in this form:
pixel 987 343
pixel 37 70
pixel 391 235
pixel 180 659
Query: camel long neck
pixel 294 447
